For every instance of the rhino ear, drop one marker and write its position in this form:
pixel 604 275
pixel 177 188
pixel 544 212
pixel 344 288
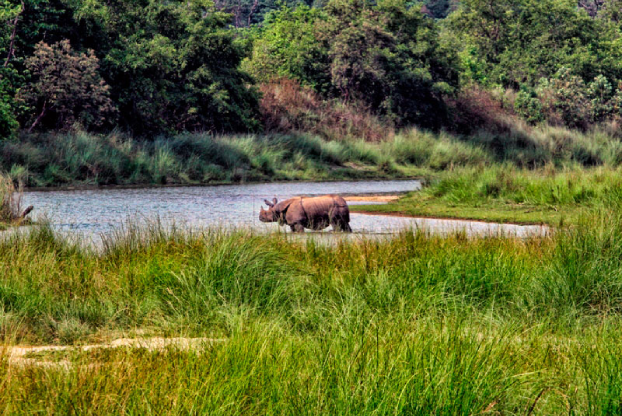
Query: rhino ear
pixel 274 201
pixel 268 203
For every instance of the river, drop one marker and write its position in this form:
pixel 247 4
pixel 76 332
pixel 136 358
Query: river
pixel 93 212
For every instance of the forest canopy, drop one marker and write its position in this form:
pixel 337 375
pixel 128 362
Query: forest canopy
pixel 150 67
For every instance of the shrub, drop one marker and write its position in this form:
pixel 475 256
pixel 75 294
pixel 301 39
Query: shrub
pixel 565 97
pixel 66 89
pixel 386 56
pixel 528 105
pixel 567 100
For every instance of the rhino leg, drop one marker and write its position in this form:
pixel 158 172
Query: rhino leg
pixel 341 226
pixel 340 223
pixel 297 228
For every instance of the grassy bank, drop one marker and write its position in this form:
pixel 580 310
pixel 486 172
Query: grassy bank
pixel 419 324
pixel 79 158
pixel 507 194
pixel 83 159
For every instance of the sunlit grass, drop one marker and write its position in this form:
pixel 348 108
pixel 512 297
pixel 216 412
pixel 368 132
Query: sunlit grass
pixel 508 194
pixel 416 324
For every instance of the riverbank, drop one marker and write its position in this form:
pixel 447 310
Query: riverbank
pixel 422 323
pixel 461 171
pixel 509 195
pixel 81 160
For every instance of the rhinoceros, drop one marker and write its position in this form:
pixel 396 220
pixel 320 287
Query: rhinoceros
pixel 314 213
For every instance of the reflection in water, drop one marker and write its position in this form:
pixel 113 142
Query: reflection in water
pixel 92 212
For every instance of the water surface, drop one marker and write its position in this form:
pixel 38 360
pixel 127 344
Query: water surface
pixel 93 212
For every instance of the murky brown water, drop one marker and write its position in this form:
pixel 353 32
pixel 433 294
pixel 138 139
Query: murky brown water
pixel 92 212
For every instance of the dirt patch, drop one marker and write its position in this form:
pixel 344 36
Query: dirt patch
pixel 42 356
pixel 372 198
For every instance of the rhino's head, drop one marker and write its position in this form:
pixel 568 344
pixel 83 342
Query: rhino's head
pixel 268 215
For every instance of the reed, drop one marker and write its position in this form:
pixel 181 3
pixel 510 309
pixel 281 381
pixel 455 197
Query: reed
pixel 201 158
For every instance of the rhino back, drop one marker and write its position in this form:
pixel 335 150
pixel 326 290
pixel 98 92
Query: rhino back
pixel 313 210
pixel 325 206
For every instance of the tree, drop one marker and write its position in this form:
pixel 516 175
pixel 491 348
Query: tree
pixel 9 19
pixel 252 12
pixel 288 46
pixel 439 9
pixel 593 7
pixel 66 88
pixel 612 11
pixel 173 66
pixel 384 56
pixel 520 41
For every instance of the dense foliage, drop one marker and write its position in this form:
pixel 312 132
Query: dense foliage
pixel 66 88
pixel 170 66
pixel 384 56
pixel 517 42
pixel 150 67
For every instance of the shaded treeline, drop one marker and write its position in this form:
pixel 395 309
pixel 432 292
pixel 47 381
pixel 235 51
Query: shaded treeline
pixel 152 67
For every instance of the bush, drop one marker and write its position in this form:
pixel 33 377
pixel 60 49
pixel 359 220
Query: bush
pixel 528 106
pixel 66 89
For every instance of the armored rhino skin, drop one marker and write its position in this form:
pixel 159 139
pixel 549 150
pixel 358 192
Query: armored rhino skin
pixel 314 213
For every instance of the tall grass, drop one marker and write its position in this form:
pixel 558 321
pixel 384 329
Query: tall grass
pixel 10 200
pixel 200 158
pixel 571 186
pixel 416 324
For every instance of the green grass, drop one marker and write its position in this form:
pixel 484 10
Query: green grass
pixel 80 158
pixel 508 194
pixel 418 324
pixel 84 159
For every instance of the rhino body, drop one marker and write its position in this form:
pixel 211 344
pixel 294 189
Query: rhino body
pixel 315 213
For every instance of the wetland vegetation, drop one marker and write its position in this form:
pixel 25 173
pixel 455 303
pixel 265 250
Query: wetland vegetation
pixel 418 323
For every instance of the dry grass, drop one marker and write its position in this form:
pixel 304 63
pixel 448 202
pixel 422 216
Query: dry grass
pixel 10 200
pixel 288 107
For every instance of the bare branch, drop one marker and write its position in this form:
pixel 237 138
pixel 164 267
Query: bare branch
pixel 12 43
